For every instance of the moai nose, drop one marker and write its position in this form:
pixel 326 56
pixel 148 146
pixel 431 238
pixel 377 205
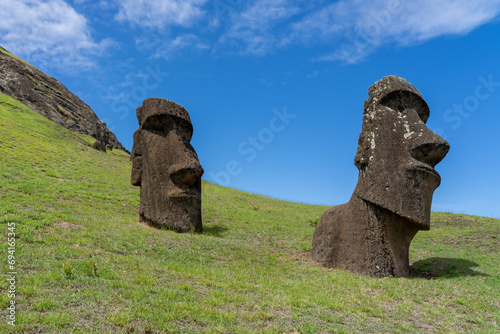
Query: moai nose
pixel 431 150
pixel 188 174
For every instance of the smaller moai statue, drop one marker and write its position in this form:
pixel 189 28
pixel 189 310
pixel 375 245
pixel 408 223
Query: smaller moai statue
pixel 166 167
pixel 102 136
pixel 396 156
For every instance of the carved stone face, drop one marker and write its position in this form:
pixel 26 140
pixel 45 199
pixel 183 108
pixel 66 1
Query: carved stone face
pixel 102 136
pixel 397 152
pixel 166 166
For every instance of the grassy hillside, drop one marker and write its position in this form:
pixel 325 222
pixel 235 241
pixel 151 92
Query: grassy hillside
pixel 85 265
pixel 10 54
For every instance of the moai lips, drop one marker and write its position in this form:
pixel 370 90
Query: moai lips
pixel 396 156
pixel 166 167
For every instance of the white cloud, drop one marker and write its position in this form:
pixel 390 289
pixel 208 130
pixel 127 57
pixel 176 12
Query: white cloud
pixel 427 19
pixel 258 28
pixel 159 17
pixel 312 75
pixel 360 27
pixel 50 33
pixel 175 46
pixel 354 28
pixel 264 14
pixel 159 14
pixel 54 34
pixel 322 24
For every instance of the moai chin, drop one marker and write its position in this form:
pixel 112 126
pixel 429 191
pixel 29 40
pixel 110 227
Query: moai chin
pixel 166 167
pixel 396 156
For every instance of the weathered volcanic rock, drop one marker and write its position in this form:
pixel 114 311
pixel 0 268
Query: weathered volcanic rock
pixel 48 97
pixel 102 137
pixel 397 152
pixel 166 167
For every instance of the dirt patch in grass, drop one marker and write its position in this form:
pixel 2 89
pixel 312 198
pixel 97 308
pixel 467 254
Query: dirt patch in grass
pixel 145 225
pixel 304 256
pixel 62 179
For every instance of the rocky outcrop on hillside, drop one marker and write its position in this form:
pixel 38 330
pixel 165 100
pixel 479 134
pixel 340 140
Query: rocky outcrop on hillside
pixel 48 97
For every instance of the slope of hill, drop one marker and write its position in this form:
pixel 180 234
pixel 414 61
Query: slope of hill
pixel 47 96
pixel 84 264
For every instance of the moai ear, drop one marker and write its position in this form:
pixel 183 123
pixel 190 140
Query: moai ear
pixel 136 157
pixel 136 171
pixel 363 152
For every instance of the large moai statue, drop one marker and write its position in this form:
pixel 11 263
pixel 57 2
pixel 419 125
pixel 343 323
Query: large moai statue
pixel 166 167
pixel 397 152
pixel 102 137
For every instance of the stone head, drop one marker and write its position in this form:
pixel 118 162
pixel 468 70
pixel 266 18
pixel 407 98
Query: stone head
pixel 101 135
pixel 397 152
pixel 166 166
pixel 101 131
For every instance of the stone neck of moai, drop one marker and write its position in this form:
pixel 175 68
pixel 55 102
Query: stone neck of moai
pixel 181 214
pixel 387 239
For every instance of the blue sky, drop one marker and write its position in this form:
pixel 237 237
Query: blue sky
pixel 275 88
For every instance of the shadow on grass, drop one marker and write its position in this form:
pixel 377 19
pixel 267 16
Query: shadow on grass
pixel 439 267
pixel 214 230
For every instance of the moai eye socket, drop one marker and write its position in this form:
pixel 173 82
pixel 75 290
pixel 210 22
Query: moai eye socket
pixel 401 100
pixel 159 124
pixel 184 128
pixel 163 124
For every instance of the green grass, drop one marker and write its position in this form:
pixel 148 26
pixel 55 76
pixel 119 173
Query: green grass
pixel 248 272
pixel 15 57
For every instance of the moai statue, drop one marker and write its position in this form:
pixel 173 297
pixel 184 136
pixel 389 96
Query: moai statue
pixel 397 152
pixel 166 167
pixel 102 136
